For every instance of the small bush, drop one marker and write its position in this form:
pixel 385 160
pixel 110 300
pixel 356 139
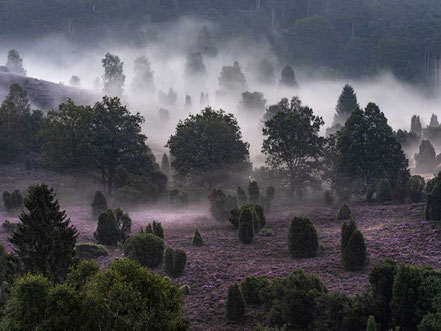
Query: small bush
pixel 344 213
pixel 125 223
pixel 99 203
pixel 384 191
pixel 197 239
pixel 354 254
pixel 235 304
pixel 145 248
pixel 87 251
pixel 254 288
pixel 254 192
pixel 108 230
pixel 433 207
pixel 416 188
pixel 302 238
pixel 246 225
pixel 347 229
pixel 241 195
pixel 9 227
pixel 234 217
pixel 329 199
pixel 266 232
pixel 13 201
pixel 174 262
pixel 178 198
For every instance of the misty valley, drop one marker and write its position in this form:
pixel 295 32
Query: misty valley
pixel 220 165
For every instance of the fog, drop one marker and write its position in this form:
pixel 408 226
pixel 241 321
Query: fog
pixel 56 59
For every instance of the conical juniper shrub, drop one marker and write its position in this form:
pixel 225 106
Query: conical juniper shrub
pixel 344 213
pixel 179 262
pixel 145 248
pixel 354 254
pixel 99 203
pixel 158 230
pixel 347 229
pixel 197 239
pixel 246 225
pixel 433 208
pixel 235 304
pixel 168 260
pixel 302 238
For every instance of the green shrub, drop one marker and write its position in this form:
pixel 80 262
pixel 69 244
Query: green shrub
pixel 13 201
pixel 302 238
pixel 234 217
pixel 128 194
pixel 125 223
pixel 88 251
pixel 197 239
pixel 354 254
pixel 178 198
pixel 371 325
pixel 433 207
pixel 266 232
pixel 246 225
pixel 241 195
pixel 254 289
pixel 99 204
pixel 332 308
pixel 113 226
pixel 9 226
pixel 174 262
pixel 382 278
pixel 416 188
pixel 344 213
pixel 145 248
pixel 329 199
pixel 235 304
pixel 292 300
pixel 157 229
pixel 347 229
pixel 384 191
pixel 253 192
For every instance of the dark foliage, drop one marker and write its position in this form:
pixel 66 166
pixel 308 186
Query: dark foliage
pixel 347 229
pixel 174 262
pixel 433 207
pixel 89 251
pixel 254 192
pixel 254 289
pixel 234 217
pixel 302 238
pixel 178 198
pixel 425 158
pixel 329 199
pixel 384 191
pixel 246 225
pixel 197 239
pixel 354 254
pixel 344 213
pixel 221 204
pixel 113 226
pixel 99 203
pixel 416 188
pixel 145 248
pixel 235 304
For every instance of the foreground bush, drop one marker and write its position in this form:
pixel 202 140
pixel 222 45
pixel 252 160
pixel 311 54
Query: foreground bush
pixel 197 239
pixel 145 248
pixel 235 304
pixel 113 226
pixel 302 238
pixel 384 191
pixel 90 251
pixel 416 188
pixel 254 289
pixel 354 254
pixel 99 204
pixel 344 213
pixel 13 201
pixel 124 297
pixel 246 225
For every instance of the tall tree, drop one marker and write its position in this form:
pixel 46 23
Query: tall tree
pixel 415 125
pixel 44 240
pixel 143 75
pixel 15 63
pixel 368 150
pixel 288 77
pixel 292 143
pixel 232 80
pixel 207 146
pixel 346 105
pixel 113 77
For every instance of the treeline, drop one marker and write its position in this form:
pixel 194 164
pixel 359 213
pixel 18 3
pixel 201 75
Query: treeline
pixel 337 37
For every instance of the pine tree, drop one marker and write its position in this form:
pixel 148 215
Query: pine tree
pixel 346 105
pixel 44 240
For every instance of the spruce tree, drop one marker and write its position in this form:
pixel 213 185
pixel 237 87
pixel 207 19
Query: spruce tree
pixel 354 255
pixel 44 240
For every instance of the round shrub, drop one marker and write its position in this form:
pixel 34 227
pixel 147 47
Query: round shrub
pixel 235 304
pixel 145 248
pixel 169 261
pixel 180 260
pixel 107 231
pixel 88 251
pixel 416 188
pixel 99 203
pixel 344 213
pixel 246 225
pixel 254 288
pixel 234 217
pixel 354 254
pixel 384 191
pixel 197 239
pixel 302 238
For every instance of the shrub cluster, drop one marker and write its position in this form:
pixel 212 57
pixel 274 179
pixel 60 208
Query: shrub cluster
pixel 12 201
pixel 254 289
pixel 258 213
pixel 302 238
pixel 113 226
pixel 99 203
pixel 174 262
pixel 353 247
pixel 89 251
pixel 145 248
pixel 197 239
pixel 154 228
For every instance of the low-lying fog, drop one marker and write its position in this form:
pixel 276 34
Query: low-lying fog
pixel 56 59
